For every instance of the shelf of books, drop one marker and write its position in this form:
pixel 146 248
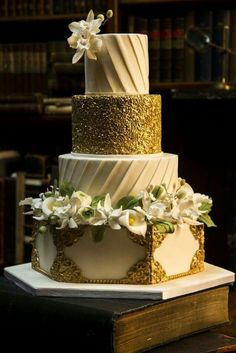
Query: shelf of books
pixel 37 58
pixel 209 56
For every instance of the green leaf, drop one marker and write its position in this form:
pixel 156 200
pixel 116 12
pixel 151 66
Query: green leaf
pixel 205 206
pixel 48 194
pixel 164 226
pixel 97 233
pixel 96 200
pixel 66 189
pixel 157 191
pixel 205 218
pixel 128 202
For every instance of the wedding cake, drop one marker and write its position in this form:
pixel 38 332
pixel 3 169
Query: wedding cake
pixel 120 213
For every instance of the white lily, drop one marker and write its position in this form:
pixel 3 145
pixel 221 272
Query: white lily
pixel 134 221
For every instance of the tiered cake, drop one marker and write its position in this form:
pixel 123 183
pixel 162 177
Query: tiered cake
pixel 147 238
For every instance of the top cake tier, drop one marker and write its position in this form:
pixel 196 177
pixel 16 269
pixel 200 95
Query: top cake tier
pixel 121 66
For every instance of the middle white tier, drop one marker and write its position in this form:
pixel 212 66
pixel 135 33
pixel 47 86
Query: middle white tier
pixel 118 175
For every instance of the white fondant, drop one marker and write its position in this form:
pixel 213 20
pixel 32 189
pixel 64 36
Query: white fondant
pixel 118 175
pixel 110 258
pixel 121 65
pixel 46 250
pixel 177 250
pixel 38 284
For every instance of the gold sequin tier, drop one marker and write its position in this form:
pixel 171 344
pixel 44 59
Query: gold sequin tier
pixel 116 124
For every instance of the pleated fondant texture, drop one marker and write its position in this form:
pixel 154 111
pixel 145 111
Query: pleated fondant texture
pixel 118 176
pixel 121 66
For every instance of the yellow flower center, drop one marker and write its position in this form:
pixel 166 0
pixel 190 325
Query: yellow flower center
pixel 131 220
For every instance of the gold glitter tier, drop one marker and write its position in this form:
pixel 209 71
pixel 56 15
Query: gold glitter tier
pixel 122 124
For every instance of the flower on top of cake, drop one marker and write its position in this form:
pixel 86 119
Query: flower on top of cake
pixel 66 207
pixel 84 38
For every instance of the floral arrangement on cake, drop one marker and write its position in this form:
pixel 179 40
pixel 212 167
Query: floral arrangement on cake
pixel 84 38
pixel 66 207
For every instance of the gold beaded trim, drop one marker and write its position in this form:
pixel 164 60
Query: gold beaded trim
pixel 146 271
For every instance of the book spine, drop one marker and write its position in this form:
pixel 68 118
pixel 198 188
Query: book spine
pixel 154 48
pixel 189 52
pixel 165 49
pixel 232 58
pixel 178 49
pixel 2 228
pixel 220 37
pixel 203 21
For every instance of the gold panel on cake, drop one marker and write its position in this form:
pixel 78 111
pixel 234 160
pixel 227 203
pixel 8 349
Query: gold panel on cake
pixel 71 255
pixel 116 124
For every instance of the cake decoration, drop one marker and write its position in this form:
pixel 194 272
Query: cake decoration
pixel 120 213
pixel 66 207
pixel 84 38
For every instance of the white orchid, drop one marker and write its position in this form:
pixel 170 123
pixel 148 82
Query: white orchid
pixel 83 37
pixel 112 215
pixel 66 207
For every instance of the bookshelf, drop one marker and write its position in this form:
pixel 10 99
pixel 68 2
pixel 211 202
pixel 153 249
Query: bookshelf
pixel 29 54
pixel 172 61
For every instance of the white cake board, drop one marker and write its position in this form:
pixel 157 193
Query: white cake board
pixel 38 284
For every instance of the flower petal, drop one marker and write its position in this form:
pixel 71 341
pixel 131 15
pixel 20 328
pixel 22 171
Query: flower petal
pixel 72 223
pixel 78 55
pixel 90 16
pixel 74 27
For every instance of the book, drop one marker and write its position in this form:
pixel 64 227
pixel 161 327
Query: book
pixel 10 161
pixel 206 342
pixel 113 325
pixel 1 222
pixel 232 57
pixel 189 52
pixel 154 48
pixel 220 37
pixel 14 191
pixel 166 49
pixel 203 58
pixel 178 49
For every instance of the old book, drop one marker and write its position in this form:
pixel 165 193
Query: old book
pixel 220 37
pixel 115 325
pixel 189 52
pixel 203 58
pixel 205 342
pixel 14 191
pixel 1 222
pixel 232 57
